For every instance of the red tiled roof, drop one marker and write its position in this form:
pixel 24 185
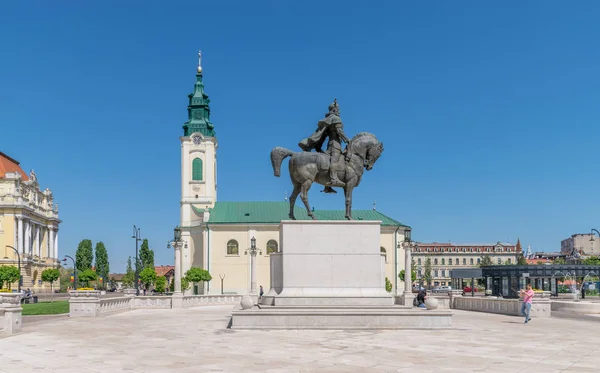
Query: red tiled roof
pixel 7 164
pixel 163 270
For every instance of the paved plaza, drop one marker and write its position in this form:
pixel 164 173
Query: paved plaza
pixel 196 340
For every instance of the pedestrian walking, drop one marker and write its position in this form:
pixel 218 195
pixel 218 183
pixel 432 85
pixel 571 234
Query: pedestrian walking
pixel 527 301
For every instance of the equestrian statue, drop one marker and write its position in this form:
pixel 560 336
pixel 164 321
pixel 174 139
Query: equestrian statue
pixel 328 168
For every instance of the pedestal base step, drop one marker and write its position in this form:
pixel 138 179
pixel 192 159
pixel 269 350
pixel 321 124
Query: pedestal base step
pixel 331 301
pixel 340 318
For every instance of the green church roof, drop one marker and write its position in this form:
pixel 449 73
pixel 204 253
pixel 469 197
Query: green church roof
pixel 199 111
pixel 273 212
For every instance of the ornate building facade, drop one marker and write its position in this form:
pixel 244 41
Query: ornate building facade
pixel 28 222
pixel 218 234
pixel 447 256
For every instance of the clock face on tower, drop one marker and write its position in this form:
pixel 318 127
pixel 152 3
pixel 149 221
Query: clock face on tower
pixel 196 140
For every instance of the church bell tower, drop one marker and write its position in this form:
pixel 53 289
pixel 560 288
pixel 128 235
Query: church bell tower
pixel 198 155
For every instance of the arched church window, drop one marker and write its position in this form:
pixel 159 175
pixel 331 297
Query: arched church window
pixel 197 169
pixel 382 250
pixel 272 247
pixel 233 248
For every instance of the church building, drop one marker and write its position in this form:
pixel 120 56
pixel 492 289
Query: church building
pixel 217 234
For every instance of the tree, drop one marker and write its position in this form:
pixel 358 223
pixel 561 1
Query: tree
pixel 146 256
pixel 87 276
pixel 172 286
pixel 84 255
pixel 102 266
pixel 413 273
pixel 388 285
pixel 427 271
pixel 185 284
pixel 65 278
pixel 591 261
pixel 195 274
pixel 50 275
pixel 9 274
pixel 129 278
pixel 147 277
pixel 521 261
pixel 159 284
pixel 559 261
pixel 486 261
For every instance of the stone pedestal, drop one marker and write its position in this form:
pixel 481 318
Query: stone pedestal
pixel 407 298
pixel 10 313
pixel 331 263
pixel 84 303
pixel 329 275
pixel 177 300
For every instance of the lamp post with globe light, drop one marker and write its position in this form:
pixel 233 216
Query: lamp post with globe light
pixel 177 243
pixel 408 246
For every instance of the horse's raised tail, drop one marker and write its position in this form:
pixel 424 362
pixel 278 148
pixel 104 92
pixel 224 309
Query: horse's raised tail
pixel 278 154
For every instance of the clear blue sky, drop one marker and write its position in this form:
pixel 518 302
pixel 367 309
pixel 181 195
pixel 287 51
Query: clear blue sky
pixel 489 112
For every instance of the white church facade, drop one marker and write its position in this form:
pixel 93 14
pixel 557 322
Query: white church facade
pixel 217 234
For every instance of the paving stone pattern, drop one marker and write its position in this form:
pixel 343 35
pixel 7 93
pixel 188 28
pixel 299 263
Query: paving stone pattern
pixel 196 340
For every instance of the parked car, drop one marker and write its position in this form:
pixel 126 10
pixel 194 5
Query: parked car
pixel 442 289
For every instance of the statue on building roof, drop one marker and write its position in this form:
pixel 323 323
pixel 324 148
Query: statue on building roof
pixel 32 175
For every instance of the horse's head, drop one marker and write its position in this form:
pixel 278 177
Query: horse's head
pixel 373 153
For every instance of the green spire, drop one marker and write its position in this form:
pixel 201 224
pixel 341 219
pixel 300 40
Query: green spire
pixel 198 108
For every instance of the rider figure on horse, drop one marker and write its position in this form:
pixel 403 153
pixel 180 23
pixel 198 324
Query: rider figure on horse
pixel 330 127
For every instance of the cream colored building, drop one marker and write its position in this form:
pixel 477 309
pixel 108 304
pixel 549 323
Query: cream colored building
pixel 447 256
pixel 586 244
pixel 217 234
pixel 29 223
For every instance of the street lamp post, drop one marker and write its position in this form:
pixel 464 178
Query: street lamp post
pixel 74 270
pixel 253 250
pixel 18 264
pixel 408 245
pixel 251 299
pixel 177 243
pixel 137 237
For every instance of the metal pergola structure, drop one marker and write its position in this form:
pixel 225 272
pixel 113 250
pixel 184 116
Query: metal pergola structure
pixel 506 280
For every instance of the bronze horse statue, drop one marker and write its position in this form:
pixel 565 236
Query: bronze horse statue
pixel 306 168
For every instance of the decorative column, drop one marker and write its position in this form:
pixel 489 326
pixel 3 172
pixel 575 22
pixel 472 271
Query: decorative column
pixel 177 244
pixel 55 244
pixel 27 237
pixel 20 234
pixel 407 269
pixel 251 299
pixel 38 244
pixel 177 289
pixel 253 290
pixel 51 242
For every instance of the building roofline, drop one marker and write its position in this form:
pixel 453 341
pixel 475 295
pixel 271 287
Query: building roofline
pixel 10 158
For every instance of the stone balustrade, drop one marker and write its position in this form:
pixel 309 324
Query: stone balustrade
pixel 10 313
pixel 203 300
pixel 158 302
pixel 88 303
pixel 539 308
pixel 108 305
pixel 576 306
